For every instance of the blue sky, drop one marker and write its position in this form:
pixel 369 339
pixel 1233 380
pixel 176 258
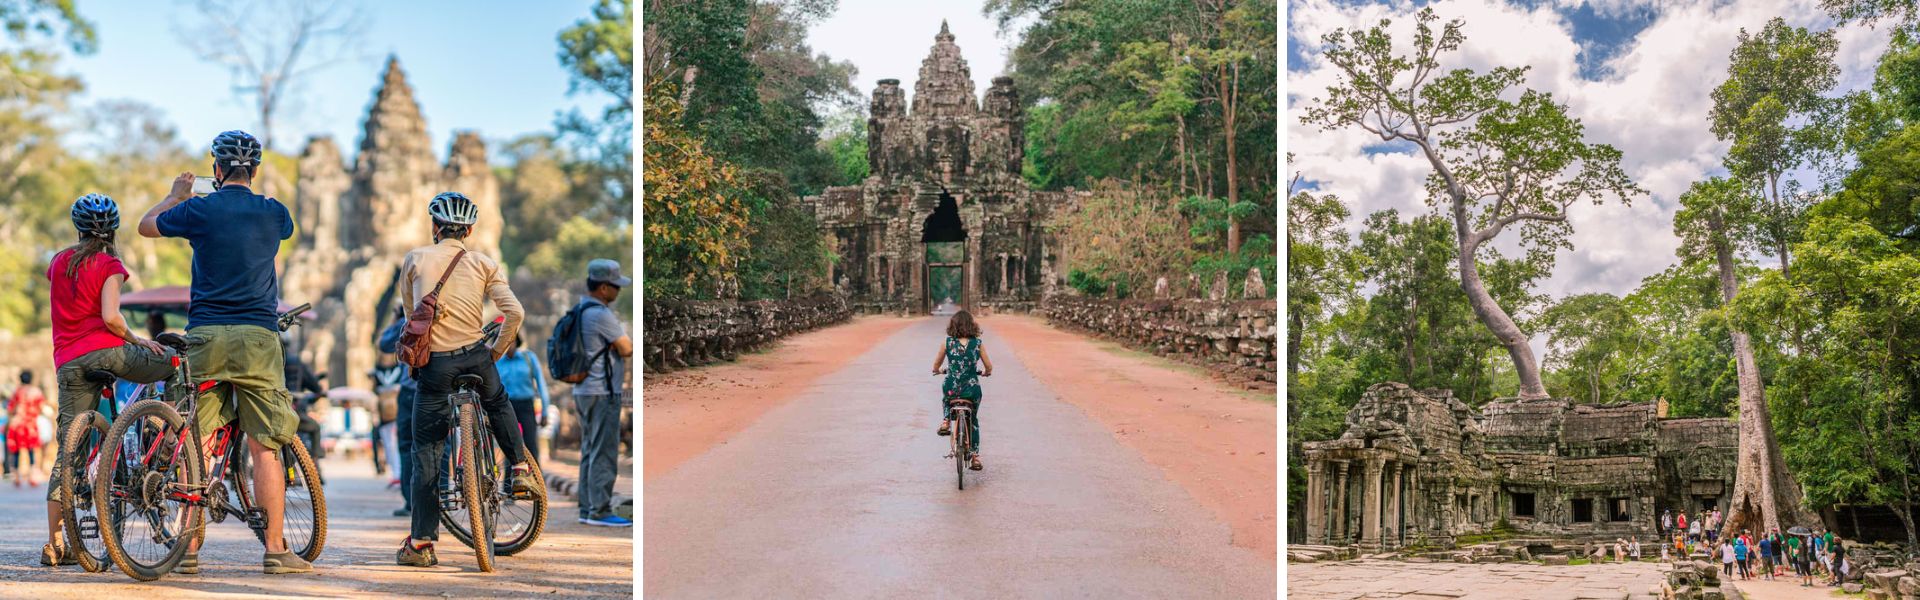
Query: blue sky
pixel 488 65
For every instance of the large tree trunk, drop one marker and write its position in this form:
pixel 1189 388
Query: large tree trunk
pixel 1228 104
pixel 1765 496
pixel 1496 318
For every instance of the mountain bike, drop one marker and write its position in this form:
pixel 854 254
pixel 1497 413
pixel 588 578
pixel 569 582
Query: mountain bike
pixel 478 493
pixel 80 459
pixel 150 491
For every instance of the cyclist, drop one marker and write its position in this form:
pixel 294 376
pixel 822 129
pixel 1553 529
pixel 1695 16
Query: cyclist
pixel 963 352
pixel 457 349
pixel 90 334
pixel 236 236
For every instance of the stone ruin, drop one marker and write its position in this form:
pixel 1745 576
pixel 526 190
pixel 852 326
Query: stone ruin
pixel 678 334
pixel 1235 338
pixel 1421 468
pixel 948 170
pixel 356 222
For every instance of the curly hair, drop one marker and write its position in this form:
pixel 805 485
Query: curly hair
pixel 962 326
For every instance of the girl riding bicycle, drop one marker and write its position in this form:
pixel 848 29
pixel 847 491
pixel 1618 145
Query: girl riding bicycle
pixel 963 353
pixel 89 334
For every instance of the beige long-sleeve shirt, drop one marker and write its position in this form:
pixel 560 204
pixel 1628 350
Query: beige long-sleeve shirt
pixel 463 301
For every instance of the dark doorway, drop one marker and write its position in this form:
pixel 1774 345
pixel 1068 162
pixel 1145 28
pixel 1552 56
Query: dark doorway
pixel 1617 510
pixel 1523 505
pixel 944 224
pixel 1583 510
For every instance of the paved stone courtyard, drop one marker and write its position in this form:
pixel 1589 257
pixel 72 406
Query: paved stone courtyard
pixel 1379 579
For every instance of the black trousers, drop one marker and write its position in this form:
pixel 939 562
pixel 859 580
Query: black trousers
pixel 529 427
pixel 433 418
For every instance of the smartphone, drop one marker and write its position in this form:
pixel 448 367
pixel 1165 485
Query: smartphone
pixel 202 186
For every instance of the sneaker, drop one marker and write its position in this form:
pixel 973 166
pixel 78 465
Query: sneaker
pixel 524 486
pixel 284 563
pixel 189 565
pixel 402 512
pixel 51 556
pixel 607 521
pixel 410 557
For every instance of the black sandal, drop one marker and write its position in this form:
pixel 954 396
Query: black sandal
pixel 946 428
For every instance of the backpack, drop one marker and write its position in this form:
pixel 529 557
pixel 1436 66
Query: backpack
pixel 567 357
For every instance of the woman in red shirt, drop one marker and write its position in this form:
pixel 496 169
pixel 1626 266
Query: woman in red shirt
pixel 90 334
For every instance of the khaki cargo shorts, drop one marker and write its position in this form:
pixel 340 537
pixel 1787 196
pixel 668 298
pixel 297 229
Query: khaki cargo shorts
pixel 246 360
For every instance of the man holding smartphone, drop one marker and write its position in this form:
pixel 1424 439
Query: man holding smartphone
pixel 236 236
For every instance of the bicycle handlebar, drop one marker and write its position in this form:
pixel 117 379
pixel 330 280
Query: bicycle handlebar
pixel 292 317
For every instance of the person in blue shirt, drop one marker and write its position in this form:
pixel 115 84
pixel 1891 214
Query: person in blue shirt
pixel 526 389
pixel 236 236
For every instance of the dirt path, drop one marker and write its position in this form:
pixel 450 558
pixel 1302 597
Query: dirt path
pixel 689 411
pixel 844 491
pixel 1213 440
pixel 570 560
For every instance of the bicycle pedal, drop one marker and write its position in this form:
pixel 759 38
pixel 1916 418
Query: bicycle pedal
pixel 256 519
pixel 89 528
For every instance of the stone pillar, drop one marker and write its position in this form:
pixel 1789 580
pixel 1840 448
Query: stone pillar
pixel 1370 500
pixel 1340 502
pixel 1392 517
pixel 1316 501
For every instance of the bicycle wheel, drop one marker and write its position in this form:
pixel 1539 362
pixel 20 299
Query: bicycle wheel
pixel 303 516
pixel 960 447
pixel 146 527
pixel 473 462
pixel 80 455
pixel 518 522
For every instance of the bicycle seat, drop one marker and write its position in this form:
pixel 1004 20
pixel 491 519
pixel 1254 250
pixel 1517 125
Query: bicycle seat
pixel 960 402
pixel 174 341
pixel 99 376
pixel 468 381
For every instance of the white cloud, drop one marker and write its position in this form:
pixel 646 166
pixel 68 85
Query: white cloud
pixel 1652 105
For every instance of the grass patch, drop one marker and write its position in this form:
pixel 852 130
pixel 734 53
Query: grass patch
pixel 1578 561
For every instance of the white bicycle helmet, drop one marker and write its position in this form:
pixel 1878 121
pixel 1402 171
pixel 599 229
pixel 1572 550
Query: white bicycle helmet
pixel 453 208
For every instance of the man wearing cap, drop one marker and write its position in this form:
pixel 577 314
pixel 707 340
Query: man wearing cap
pixel 597 398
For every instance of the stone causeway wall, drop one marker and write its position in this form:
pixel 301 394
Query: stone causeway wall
pixel 681 334
pixel 1235 338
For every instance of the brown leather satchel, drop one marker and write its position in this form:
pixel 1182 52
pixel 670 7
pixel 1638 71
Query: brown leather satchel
pixel 416 339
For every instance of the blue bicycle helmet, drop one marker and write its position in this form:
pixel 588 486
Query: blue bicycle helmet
pixel 96 215
pixel 236 149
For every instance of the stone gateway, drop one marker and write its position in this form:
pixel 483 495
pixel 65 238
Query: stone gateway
pixel 1422 468
pixel 944 215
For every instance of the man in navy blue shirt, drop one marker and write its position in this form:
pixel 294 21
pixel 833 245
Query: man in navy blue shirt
pixel 236 235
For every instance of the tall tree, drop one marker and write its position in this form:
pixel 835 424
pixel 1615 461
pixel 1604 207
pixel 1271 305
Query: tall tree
pixel 271 48
pixel 598 52
pixel 1775 79
pixel 1715 223
pixel 1496 162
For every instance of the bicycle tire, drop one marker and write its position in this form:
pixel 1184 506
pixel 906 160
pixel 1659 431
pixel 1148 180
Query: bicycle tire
pixel 170 425
pixel 470 433
pixel 79 452
pixel 527 536
pixel 305 472
pixel 960 448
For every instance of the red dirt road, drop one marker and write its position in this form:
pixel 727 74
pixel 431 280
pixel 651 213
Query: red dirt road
pixel 1214 442
pixel 687 412
pixel 833 484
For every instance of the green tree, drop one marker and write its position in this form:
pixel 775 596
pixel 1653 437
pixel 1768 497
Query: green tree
pixel 1496 162
pixel 1714 224
pixel 696 222
pixel 1775 78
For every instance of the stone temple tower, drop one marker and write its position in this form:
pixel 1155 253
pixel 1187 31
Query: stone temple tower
pixel 944 213
pixel 355 225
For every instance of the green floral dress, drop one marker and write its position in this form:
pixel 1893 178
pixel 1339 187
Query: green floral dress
pixel 963 381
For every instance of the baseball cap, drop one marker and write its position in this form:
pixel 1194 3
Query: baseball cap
pixel 602 270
